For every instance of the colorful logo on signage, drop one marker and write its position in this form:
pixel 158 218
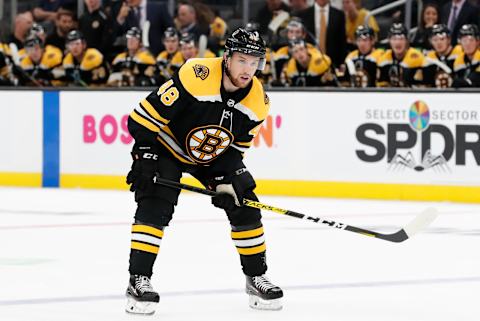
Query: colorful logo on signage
pixel 430 140
pixel 266 133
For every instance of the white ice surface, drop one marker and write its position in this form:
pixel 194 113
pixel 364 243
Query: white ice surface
pixel 64 256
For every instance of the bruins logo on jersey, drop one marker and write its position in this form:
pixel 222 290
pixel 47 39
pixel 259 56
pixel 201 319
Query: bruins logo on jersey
pixel 206 143
pixel 201 71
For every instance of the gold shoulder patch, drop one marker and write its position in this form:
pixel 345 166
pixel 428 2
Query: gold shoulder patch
pixel 414 55
pixel 50 55
pixel 318 61
pixel 201 71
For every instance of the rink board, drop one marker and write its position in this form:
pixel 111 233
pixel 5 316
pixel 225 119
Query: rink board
pixel 21 138
pixel 421 146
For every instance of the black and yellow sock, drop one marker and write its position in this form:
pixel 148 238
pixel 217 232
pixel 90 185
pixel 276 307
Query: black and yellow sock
pixel 145 245
pixel 250 244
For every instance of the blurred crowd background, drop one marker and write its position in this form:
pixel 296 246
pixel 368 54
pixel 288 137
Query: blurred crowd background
pixel 338 43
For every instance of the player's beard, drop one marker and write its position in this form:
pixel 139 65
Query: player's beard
pixel 237 82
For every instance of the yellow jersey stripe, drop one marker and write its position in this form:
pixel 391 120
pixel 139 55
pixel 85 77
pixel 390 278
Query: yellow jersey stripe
pixel 145 247
pixel 247 234
pixel 151 110
pixel 145 123
pixel 244 144
pixel 252 250
pixel 147 229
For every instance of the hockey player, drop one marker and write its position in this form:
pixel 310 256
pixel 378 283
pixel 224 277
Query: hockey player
pixel 438 70
pixel 83 66
pixel 307 67
pixel 134 67
pixel 189 48
pixel 400 66
pixel 41 65
pixel 169 60
pixel 201 122
pixel 39 31
pixel 294 30
pixel 6 76
pixel 362 62
pixel 467 64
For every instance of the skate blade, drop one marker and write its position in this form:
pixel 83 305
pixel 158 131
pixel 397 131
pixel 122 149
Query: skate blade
pixel 258 303
pixel 139 307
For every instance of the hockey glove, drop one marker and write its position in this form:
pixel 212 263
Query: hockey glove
pixel 231 189
pixel 145 164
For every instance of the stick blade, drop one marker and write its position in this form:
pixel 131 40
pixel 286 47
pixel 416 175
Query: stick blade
pixel 421 221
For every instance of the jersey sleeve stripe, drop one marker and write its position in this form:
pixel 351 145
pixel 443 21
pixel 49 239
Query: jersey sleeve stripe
pixel 144 122
pixel 247 111
pixel 168 132
pixel 244 144
pixel 141 111
pixel 151 110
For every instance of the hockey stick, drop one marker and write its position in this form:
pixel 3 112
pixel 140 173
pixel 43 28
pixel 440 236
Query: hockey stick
pixel 418 223
pixel 202 46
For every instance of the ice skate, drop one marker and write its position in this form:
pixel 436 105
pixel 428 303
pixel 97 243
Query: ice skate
pixel 141 298
pixel 263 295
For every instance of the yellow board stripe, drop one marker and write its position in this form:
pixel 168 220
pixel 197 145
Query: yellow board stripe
pixel 142 121
pixel 145 247
pixel 21 179
pixel 252 250
pixel 151 110
pixel 247 234
pixel 414 192
pixel 147 229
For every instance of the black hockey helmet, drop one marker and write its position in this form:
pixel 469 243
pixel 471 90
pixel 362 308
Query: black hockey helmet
pixel 247 42
pixel 32 40
pixel 188 39
pixel 36 29
pixel 74 35
pixel 134 32
pixel 468 30
pixel 252 26
pixel 440 30
pixel 170 32
pixel 364 32
pixel 295 23
pixel 296 43
pixel 397 29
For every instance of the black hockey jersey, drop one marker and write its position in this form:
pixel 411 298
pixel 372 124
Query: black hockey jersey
pixel 195 119
pixel 466 70
pixel 364 68
pixel 401 73
pixel 438 70
pixel 44 71
pixel 92 70
pixel 315 74
pixel 136 70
